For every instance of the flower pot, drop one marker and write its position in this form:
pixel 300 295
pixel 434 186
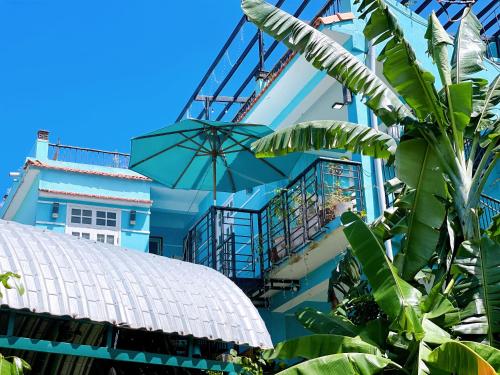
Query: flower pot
pixel 342 207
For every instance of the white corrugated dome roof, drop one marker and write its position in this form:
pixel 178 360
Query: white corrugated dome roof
pixel 84 279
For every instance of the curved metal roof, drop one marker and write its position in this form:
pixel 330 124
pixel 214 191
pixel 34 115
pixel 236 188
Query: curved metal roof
pixel 84 279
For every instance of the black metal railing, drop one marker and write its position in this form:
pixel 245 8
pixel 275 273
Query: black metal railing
pixel 490 207
pixel 84 155
pixel 243 244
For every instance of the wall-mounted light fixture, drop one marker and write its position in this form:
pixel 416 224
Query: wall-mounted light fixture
pixel 133 217
pixel 55 210
pixel 346 99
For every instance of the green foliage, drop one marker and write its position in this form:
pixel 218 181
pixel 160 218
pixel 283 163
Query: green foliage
pixel 345 363
pixel 313 346
pixel 444 283
pixel 478 265
pixel 318 135
pixel 12 365
pixel 398 299
pixel 318 322
pixel 457 358
pixel 418 167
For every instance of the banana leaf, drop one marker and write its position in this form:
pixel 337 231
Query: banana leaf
pixel 313 346
pixel 489 354
pixel 318 322
pixel 327 55
pixel 459 359
pixel 400 66
pixel 479 287
pixel 326 134
pixel 398 299
pixel 418 167
pixel 438 41
pixel 469 49
pixel 345 364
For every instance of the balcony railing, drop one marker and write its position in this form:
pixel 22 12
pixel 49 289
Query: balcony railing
pixel 490 207
pixel 243 244
pixel 88 156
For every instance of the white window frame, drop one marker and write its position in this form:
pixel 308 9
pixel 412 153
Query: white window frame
pixel 93 229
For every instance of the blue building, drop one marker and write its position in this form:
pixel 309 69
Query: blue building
pixel 279 242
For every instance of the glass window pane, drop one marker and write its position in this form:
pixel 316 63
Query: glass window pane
pixel 100 214
pixel 87 213
pixel 100 237
pixel 76 211
pixel 75 219
pixel 111 223
pixel 111 215
pixel 86 220
pixel 100 221
pixel 76 234
pixel 110 239
pixel 86 236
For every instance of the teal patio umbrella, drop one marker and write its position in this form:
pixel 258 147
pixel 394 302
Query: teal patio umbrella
pixel 207 155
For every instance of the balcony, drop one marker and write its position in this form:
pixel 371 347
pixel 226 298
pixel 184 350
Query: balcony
pixel 245 244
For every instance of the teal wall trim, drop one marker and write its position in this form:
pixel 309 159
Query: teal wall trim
pixel 64 348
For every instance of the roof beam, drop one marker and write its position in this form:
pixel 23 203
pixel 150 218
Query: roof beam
pixel 99 352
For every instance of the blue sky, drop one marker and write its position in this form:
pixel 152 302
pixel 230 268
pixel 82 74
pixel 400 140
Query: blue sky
pixel 96 73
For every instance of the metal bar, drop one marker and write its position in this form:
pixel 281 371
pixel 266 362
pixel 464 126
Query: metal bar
pixel 79 350
pixel 489 25
pixel 220 99
pixel 266 56
pixel 76 148
pixel 212 67
pixel 423 6
pixel 261 51
pixel 213 224
pixel 235 67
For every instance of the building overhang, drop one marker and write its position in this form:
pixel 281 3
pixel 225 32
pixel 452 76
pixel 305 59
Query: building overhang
pixel 65 276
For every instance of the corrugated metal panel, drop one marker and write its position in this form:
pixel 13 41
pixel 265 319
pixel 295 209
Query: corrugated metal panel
pixel 64 275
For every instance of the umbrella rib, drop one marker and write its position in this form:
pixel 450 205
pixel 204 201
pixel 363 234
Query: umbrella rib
pixel 231 178
pixel 197 143
pixel 262 160
pixel 246 134
pixel 235 145
pixel 162 151
pixel 188 165
pixel 167 133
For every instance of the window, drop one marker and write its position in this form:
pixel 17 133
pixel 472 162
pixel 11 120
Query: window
pixel 105 238
pixel 81 216
pixel 156 245
pixel 82 235
pixel 106 218
pixel 94 223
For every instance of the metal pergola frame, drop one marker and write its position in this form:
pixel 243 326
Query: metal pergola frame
pixel 11 342
pixel 265 53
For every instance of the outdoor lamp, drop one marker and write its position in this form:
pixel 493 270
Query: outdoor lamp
pixel 55 210
pixel 133 217
pixel 346 99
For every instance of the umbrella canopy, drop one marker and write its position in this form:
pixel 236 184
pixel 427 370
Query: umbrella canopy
pixel 207 155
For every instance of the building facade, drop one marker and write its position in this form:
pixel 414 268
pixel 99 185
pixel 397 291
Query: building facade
pixel 279 242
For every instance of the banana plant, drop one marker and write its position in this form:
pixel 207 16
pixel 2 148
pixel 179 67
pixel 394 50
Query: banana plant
pixel 436 212
pixel 442 179
pixel 405 337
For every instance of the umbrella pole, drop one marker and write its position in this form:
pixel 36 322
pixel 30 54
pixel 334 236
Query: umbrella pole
pixel 214 178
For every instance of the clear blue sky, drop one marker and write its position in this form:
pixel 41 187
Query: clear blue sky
pixel 96 73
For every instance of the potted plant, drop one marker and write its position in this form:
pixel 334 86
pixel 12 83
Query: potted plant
pixel 338 201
